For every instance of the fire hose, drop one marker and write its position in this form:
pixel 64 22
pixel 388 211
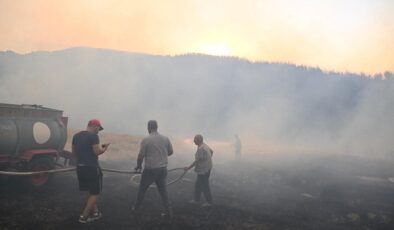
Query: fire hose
pixel 52 171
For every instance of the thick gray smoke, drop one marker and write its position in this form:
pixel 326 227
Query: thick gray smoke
pixel 272 107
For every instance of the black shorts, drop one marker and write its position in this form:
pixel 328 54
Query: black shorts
pixel 90 179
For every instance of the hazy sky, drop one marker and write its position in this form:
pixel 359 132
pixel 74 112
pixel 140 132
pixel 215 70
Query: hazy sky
pixel 343 35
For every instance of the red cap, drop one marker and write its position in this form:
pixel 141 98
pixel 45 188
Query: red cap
pixel 95 122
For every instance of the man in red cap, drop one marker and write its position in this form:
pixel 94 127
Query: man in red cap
pixel 86 147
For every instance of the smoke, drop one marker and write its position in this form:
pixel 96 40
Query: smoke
pixel 300 129
pixel 273 107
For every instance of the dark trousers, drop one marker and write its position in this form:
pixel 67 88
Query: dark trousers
pixel 202 186
pixel 159 176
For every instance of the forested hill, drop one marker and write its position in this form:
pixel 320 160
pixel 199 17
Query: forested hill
pixel 216 96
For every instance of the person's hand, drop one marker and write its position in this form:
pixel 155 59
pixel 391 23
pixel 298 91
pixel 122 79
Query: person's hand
pixel 105 146
pixel 138 168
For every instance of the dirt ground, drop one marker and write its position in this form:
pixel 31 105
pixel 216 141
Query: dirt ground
pixel 309 192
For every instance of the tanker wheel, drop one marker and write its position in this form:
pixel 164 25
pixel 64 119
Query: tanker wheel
pixel 40 164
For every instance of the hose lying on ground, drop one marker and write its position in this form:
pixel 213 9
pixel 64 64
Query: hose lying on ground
pixel 135 183
pixel 8 173
pixel 120 171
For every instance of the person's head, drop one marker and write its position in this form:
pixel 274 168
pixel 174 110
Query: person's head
pixel 152 126
pixel 94 125
pixel 198 139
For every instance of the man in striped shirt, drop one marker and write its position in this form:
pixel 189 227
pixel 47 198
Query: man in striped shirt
pixel 202 166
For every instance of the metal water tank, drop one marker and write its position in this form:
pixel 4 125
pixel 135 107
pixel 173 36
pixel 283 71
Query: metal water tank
pixel 30 127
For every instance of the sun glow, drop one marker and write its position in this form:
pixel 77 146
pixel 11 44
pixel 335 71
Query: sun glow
pixel 357 39
pixel 217 49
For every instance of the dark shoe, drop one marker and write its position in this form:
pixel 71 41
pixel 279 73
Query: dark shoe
pixel 206 205
pixel 168 214
pixel 96 215
pixel 136 214
pixel 85 220
pixel 135 209
pixel 193 202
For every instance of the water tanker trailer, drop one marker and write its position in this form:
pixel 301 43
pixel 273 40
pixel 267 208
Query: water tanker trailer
pixel 32 138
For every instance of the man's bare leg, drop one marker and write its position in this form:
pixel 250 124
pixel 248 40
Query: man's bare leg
pixel 91 204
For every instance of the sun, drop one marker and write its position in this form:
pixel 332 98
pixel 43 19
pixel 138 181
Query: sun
pixel 216 49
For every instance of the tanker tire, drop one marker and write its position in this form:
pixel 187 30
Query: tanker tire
pixel 40 164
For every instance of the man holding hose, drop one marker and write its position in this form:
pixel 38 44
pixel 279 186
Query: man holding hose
pixel 154 149
pixel 202 166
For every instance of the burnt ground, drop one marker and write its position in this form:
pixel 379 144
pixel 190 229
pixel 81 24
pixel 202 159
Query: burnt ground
pixel 320 192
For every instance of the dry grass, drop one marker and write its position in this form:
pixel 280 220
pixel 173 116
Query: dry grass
pixel 123 146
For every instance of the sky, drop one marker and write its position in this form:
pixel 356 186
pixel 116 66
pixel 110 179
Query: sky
pixel 339 35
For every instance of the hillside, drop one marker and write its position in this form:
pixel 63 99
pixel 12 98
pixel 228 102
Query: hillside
pixel 279 105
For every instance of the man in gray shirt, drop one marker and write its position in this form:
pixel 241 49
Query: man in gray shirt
pixel 202 166
pixel 155 149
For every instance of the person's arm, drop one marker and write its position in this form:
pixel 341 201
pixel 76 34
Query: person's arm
pixel 140 160
pixel 191 166
pixel 98 150
pixel 198 157
pixel 95 142
pixel 74 142
pixel 141 155
pixel 170 149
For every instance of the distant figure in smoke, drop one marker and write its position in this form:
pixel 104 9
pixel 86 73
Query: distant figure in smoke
pixel 86 147
pixel 237 147
pixel 155 149
pixel 202 166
